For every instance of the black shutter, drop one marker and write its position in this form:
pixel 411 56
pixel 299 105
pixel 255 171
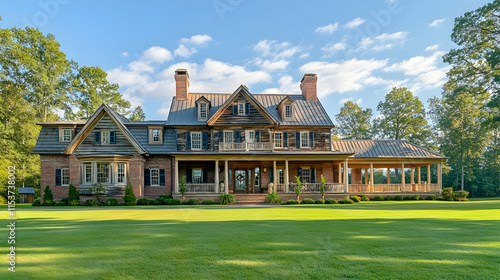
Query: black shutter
pixel 162 177
pixel 299 173
pixel 257 136
pixel 247 108
pixel 147 177
pixel 205 176
pixel 97 140
pixel 188 140
pixel 235 109
pixel 271 175
pixel 112 137
pixel 311 139
pixel 221 136
pixel 189 176
pixel 237 136
pixel 58 177
pixel 313 175
pixel 297 140
pixel 204 140
pixel 285 139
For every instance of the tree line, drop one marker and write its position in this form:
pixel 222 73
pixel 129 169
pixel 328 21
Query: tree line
pixel 465 119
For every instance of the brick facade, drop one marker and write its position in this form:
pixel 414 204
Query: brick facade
pixel 48 166
pixel 160 162
pixel 136 174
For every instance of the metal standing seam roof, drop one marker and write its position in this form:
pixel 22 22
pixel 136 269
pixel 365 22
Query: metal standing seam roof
pixel 306 113
pixel 26 191
pixel 383 149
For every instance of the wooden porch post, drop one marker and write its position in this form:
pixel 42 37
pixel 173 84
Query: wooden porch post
pixel 286 176
pixel 275 176
pixel 226 177
pixel 388 176
pixel 412 181
pixel 403 176
pixel 340 173
pixel 440 174
pixel 346 180
pixel 371 177
pixel 427 186
pixel 419 179
pixel 366 176
pixel 176 174
pixel 216 176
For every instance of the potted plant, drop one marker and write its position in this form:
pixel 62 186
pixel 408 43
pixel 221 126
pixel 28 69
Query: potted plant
pixel 221 186
pixel 270 187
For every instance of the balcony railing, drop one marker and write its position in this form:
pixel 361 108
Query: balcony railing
pixel 260 146
pixel 200 188
pixel 316 188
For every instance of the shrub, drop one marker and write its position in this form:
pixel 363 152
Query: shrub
pixel 415 197
pixel 47 202
pixel 319 201
pixel 172 201
pixel 331 201
pixel 447 193
pixel 408 197
pixel 398 198
pixel 154 201
pixel 129 197
pixel 74 203
pixel 193 201
pixel 97 190
pixel 61 203
pixel 143 201
pixel 378 198
pixel 421 198
pixel 354 198
pixel 111 202
pixel 448 198
pixel 165 196
pixel 440 197
pixel 346 201
pixel 36 202
pixel 273 198
pixel 298 188
pixel 307 201
pixel 364 197
pixel 90 202
pixel 388 197
pixel 226 198
pixel 431 197
pixel 208 202
pixel 47 194
pixel 460 195
pixel 73 194
pixel 291 201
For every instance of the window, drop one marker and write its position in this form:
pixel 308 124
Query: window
pixel 66 135
pixel 105 136
pixel 120 173
pixel 281 176
pixel 196 141
pixel 202 111
pixel 241 108
pixel 197 175
pixel 250 136
pixel 288 112
pixel 156 136
pixel 228 136
pixel 304 139
pixel 65 176
pixel 155 177
pixel 278 139
pixel 87 176
pixel 257 176
pixel 306 175
pixel 103 173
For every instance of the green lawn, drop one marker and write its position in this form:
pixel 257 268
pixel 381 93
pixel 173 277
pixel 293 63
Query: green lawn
pixel 370 240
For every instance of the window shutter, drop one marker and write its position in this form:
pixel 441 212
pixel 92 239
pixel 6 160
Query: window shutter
pixel 247 108
pixel 188 140
pixel 237 136
pixel 112 137
pixel 311 139
pixel 147 177
pixel 221 136
pixel 297 139
pixel 257 136
pixel 97 140
pixel 299 173
pixel 189 175
pixel 271 175
pixel 205 176
pixel 235 109
pixel 285 139
pixel 162 177
pixel 58 177
pixel 204 140
pixel 313 175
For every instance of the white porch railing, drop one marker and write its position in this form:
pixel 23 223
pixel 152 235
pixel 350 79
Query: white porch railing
pixel 260 146
pixel 316 187
pixel 200 188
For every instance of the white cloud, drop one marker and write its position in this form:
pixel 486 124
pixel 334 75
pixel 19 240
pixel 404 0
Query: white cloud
pixel 382 42
pixel 437 23
pixel 344 100
pixel 432 48
pixel 275 49
pixel 157 54
pixel 355 23
pixel 331 48
pixel 287 85
pixel 189 46
pixel 416 65
pixel 125 54
pixel 268 65
pixel 184 52
pixel 304 55
pixel 198 40
pixel 327 28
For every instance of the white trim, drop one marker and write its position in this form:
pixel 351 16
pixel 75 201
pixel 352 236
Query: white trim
pixel 244 109
pixel 200 118
pixel 247 134
pixel 275 142
pixel 290 117
pixel 192 142
pixel 108 132
pixel 301 140
pixel 224 136
pixel 62 177
pixel 151 176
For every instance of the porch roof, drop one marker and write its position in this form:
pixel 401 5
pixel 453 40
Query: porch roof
pixel 395 149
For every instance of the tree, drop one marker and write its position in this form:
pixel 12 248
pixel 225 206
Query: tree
pixel 353 122
pixel 97 190
pixel 129 198
pixel 91 89
pixel 402 118
pixel 137 114
pixel 182 187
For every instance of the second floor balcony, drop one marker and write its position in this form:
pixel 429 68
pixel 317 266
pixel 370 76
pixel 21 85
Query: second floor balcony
pixel 260 146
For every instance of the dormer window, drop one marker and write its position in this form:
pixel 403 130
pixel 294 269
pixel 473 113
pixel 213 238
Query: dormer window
pixel 288 112
pixel 156 135
pixel 65 134
pixel 202 111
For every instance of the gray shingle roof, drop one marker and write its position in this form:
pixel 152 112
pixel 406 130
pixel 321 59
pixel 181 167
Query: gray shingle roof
pixel 48 142
pixel 26 191
pixel 383 149
pixel 307 113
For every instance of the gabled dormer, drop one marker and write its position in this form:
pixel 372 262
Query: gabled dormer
pixel 202 109
pixel 286 109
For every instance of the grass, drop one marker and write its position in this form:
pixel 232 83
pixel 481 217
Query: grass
pixel 369 240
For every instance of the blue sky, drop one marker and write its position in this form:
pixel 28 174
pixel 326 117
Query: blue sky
pixel 359 49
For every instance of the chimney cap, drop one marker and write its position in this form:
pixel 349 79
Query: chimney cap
pixel 308 75
pixel 181 72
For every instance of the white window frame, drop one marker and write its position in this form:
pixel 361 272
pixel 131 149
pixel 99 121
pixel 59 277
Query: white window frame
pixel 279 144
pixel 302 138
pixel 288 112
pixel 153 140
pixel 105 137
pixel 117 173
pixel 250 136
pixel 65 174
pixel 63 136
pixel 241 108
pixel 154 176
pixel 228 139
pixel 303 176
pixel 281 177
pixel 97 172
pixel 198 134
pixel 200 117
pixel 257 176
pixel 200 170
pixel 84 173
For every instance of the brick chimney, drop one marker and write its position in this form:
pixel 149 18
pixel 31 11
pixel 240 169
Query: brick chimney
pixel 181 84
pixel 308 86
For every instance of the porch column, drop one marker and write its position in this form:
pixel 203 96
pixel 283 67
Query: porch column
pixel 226 177
pixel 216 176
pixel 275 176
pixel 412 181
pixel 366 176
pixel 346 180
pixel 419 180
pixel 176 174
pixel 340 173
pixel 427 186
pixel 440 174
pixel 388 176
pixel 371 177
pixel 286 176
pixel 403 176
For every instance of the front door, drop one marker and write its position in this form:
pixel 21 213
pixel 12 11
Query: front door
pixel 240 181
